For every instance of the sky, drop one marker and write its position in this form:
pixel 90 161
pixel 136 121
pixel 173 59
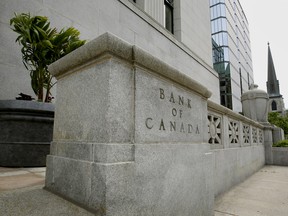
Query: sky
pixel 268 22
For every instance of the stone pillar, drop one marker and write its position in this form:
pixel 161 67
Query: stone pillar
pixel 268 142
pixel 130 134
pixel 278 134
pixel 255 106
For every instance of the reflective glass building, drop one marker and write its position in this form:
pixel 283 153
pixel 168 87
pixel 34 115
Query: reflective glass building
pixel 231 51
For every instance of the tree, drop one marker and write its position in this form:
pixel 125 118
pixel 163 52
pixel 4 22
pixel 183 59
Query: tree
pixel 41 46
pixel 278 120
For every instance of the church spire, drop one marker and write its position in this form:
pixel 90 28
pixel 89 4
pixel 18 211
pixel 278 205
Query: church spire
pixel 272 83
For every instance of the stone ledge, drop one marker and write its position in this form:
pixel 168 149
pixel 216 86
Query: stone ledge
pixel 94 152
pixel 212 106
pixel 112 45
pixel 16 105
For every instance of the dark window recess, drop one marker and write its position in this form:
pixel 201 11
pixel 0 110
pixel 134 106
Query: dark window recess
pixel 274 105
pixel 241 85
pixel 134 1
pixel 169 15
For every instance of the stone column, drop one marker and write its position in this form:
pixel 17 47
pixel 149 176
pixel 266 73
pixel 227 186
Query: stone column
pixel 268 143
pixel 130 134
pixel 255 106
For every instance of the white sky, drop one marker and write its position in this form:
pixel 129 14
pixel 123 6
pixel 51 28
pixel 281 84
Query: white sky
pixel 268 21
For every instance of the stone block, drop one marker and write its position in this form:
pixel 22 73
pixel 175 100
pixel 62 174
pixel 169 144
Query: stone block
pixel 108 90
pixel 169 175
pixel 166 113
pixel 278 134
pixel 280 156
pixel 70 178
pixel 114 149
pixel 26 132
pixel 234 165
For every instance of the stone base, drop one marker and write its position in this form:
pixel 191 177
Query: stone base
pixel 26 132
pixel 24 154
pixel 130 134
pixel 164 179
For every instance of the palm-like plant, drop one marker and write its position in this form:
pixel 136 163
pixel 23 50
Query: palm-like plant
pixel 41 46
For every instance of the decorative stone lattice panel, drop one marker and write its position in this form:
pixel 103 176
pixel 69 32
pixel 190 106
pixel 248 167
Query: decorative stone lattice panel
pixel 233 132
pixel 260 136
pixel 214 129
pixel 246 134
pixel 254 135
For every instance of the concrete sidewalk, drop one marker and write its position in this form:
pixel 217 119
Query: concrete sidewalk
pixel 14 178
pixel 263 194
pixel 22 194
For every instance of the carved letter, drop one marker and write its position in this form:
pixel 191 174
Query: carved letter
pixel 181 100
pixel 190 128
pixel 147 125
pixel 162 95
pixel 172 98
pixel 172 126
pixel 162 127
pixel 197 130
pixel 182 128
pixel 180 113
pixel 174 112
pixel 189 105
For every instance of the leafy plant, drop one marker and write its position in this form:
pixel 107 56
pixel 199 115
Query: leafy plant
pixel 278 120
pixel 41 46
pixel 282 143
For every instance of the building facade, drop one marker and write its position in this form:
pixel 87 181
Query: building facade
pixel 177 32
pixel 231 51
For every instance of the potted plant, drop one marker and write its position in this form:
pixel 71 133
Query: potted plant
pixel 27 126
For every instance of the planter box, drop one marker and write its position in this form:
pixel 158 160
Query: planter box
pixel 26 132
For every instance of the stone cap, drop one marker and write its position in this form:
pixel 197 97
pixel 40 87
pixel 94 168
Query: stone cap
pixel 212 106
pixel 109 44
pixel 254 93
pixel 26 105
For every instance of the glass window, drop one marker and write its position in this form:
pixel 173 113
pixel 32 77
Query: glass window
pixel 168 4
pixel 274 105
pixel 225 38
pixel 224 24
pixel 226 53
pixel 223 9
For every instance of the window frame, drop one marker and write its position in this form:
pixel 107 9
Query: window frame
pixel 169 4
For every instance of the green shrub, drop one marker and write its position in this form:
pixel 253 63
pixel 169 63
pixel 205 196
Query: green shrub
pixel 279 120
pixel 282 143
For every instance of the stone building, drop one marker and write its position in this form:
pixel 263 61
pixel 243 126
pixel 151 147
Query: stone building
pixel 181 27
pixel 276 103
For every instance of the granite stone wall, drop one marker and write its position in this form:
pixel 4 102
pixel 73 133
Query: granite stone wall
pixel 122 18
pixel 130 133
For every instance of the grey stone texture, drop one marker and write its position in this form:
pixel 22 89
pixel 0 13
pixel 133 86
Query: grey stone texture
pixel 131 135
pixel 234 165
pixel 278 134
pixel 105 153
pixel 280 156
pixel 255 104
pixel 34 201
pixel 234 161
pixel 26 132
pixel 268 142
